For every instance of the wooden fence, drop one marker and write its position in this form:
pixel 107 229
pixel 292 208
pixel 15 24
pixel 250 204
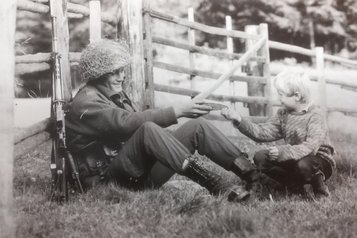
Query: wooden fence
pixel 261 58
pixel 259 85
pixel 136 24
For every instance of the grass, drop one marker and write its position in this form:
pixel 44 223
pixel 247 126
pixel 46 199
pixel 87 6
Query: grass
pixel 181 209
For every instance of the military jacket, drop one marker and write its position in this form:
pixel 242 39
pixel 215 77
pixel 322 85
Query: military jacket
pixel 94 116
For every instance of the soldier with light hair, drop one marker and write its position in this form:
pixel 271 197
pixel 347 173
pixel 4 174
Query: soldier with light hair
pixel 307 155
pixel 113 141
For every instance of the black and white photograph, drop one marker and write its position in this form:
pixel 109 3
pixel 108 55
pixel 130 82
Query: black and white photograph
pixel 189 118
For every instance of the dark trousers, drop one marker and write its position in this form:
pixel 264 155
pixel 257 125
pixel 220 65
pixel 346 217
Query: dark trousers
pixel 152 155
pixel 292 172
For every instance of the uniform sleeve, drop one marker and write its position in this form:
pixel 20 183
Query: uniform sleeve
pixel 316 133
pixel 261 132
pixel 102 119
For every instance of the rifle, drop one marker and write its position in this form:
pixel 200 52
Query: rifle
pixel 62 163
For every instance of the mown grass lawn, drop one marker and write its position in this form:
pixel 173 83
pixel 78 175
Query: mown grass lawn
pixel 182 209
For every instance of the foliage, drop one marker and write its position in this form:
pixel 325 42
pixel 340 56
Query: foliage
pixel 292 21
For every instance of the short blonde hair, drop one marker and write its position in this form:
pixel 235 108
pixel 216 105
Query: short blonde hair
pixel 291 82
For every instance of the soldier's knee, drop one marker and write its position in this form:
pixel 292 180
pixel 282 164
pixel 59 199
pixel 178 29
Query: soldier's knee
pixel 149 127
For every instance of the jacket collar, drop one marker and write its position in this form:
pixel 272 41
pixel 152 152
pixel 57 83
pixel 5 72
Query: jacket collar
pixel 105 90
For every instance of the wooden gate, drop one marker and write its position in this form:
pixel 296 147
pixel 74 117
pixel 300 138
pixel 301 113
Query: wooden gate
pixel 258 60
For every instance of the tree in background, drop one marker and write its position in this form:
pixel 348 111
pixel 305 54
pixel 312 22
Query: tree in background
pixel 350 9
pixel 328 23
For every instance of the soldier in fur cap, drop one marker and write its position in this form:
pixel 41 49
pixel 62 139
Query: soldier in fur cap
pixel 112 141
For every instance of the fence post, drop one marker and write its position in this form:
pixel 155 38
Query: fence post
pixel 95 24
pixel 148 54
pixel 231 50
pixel 131 29
pixel 265 68
pixel 319 51
pixel 7 70
pixel 61 29
pixel 254 87
pixel 192 41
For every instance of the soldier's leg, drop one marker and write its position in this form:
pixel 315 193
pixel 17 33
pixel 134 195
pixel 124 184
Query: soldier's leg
pixel 149 144
pixel 201 135
pixel 151 149
pixel 158 175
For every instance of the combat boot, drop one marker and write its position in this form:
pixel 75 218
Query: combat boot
pixel 318 185
pixel 214 183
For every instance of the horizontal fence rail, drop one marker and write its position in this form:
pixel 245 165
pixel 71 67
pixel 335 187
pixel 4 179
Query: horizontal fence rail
pixel 308 52
pixel 336 82
pixel 79 9
pixel 199 49
pixel 28 138
pixel 329 79
pixel 207 74
pixel 290 48
pixel 31 68
pixel 191 93
pixel 76 9
pixel 44 57
pixel 31 6
pixel 32 130
pixel 351 63
pixel 30 143
pixel 33 58
pixel 233 99
pixel 348 111
pixel 201 27
pixel 32 63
